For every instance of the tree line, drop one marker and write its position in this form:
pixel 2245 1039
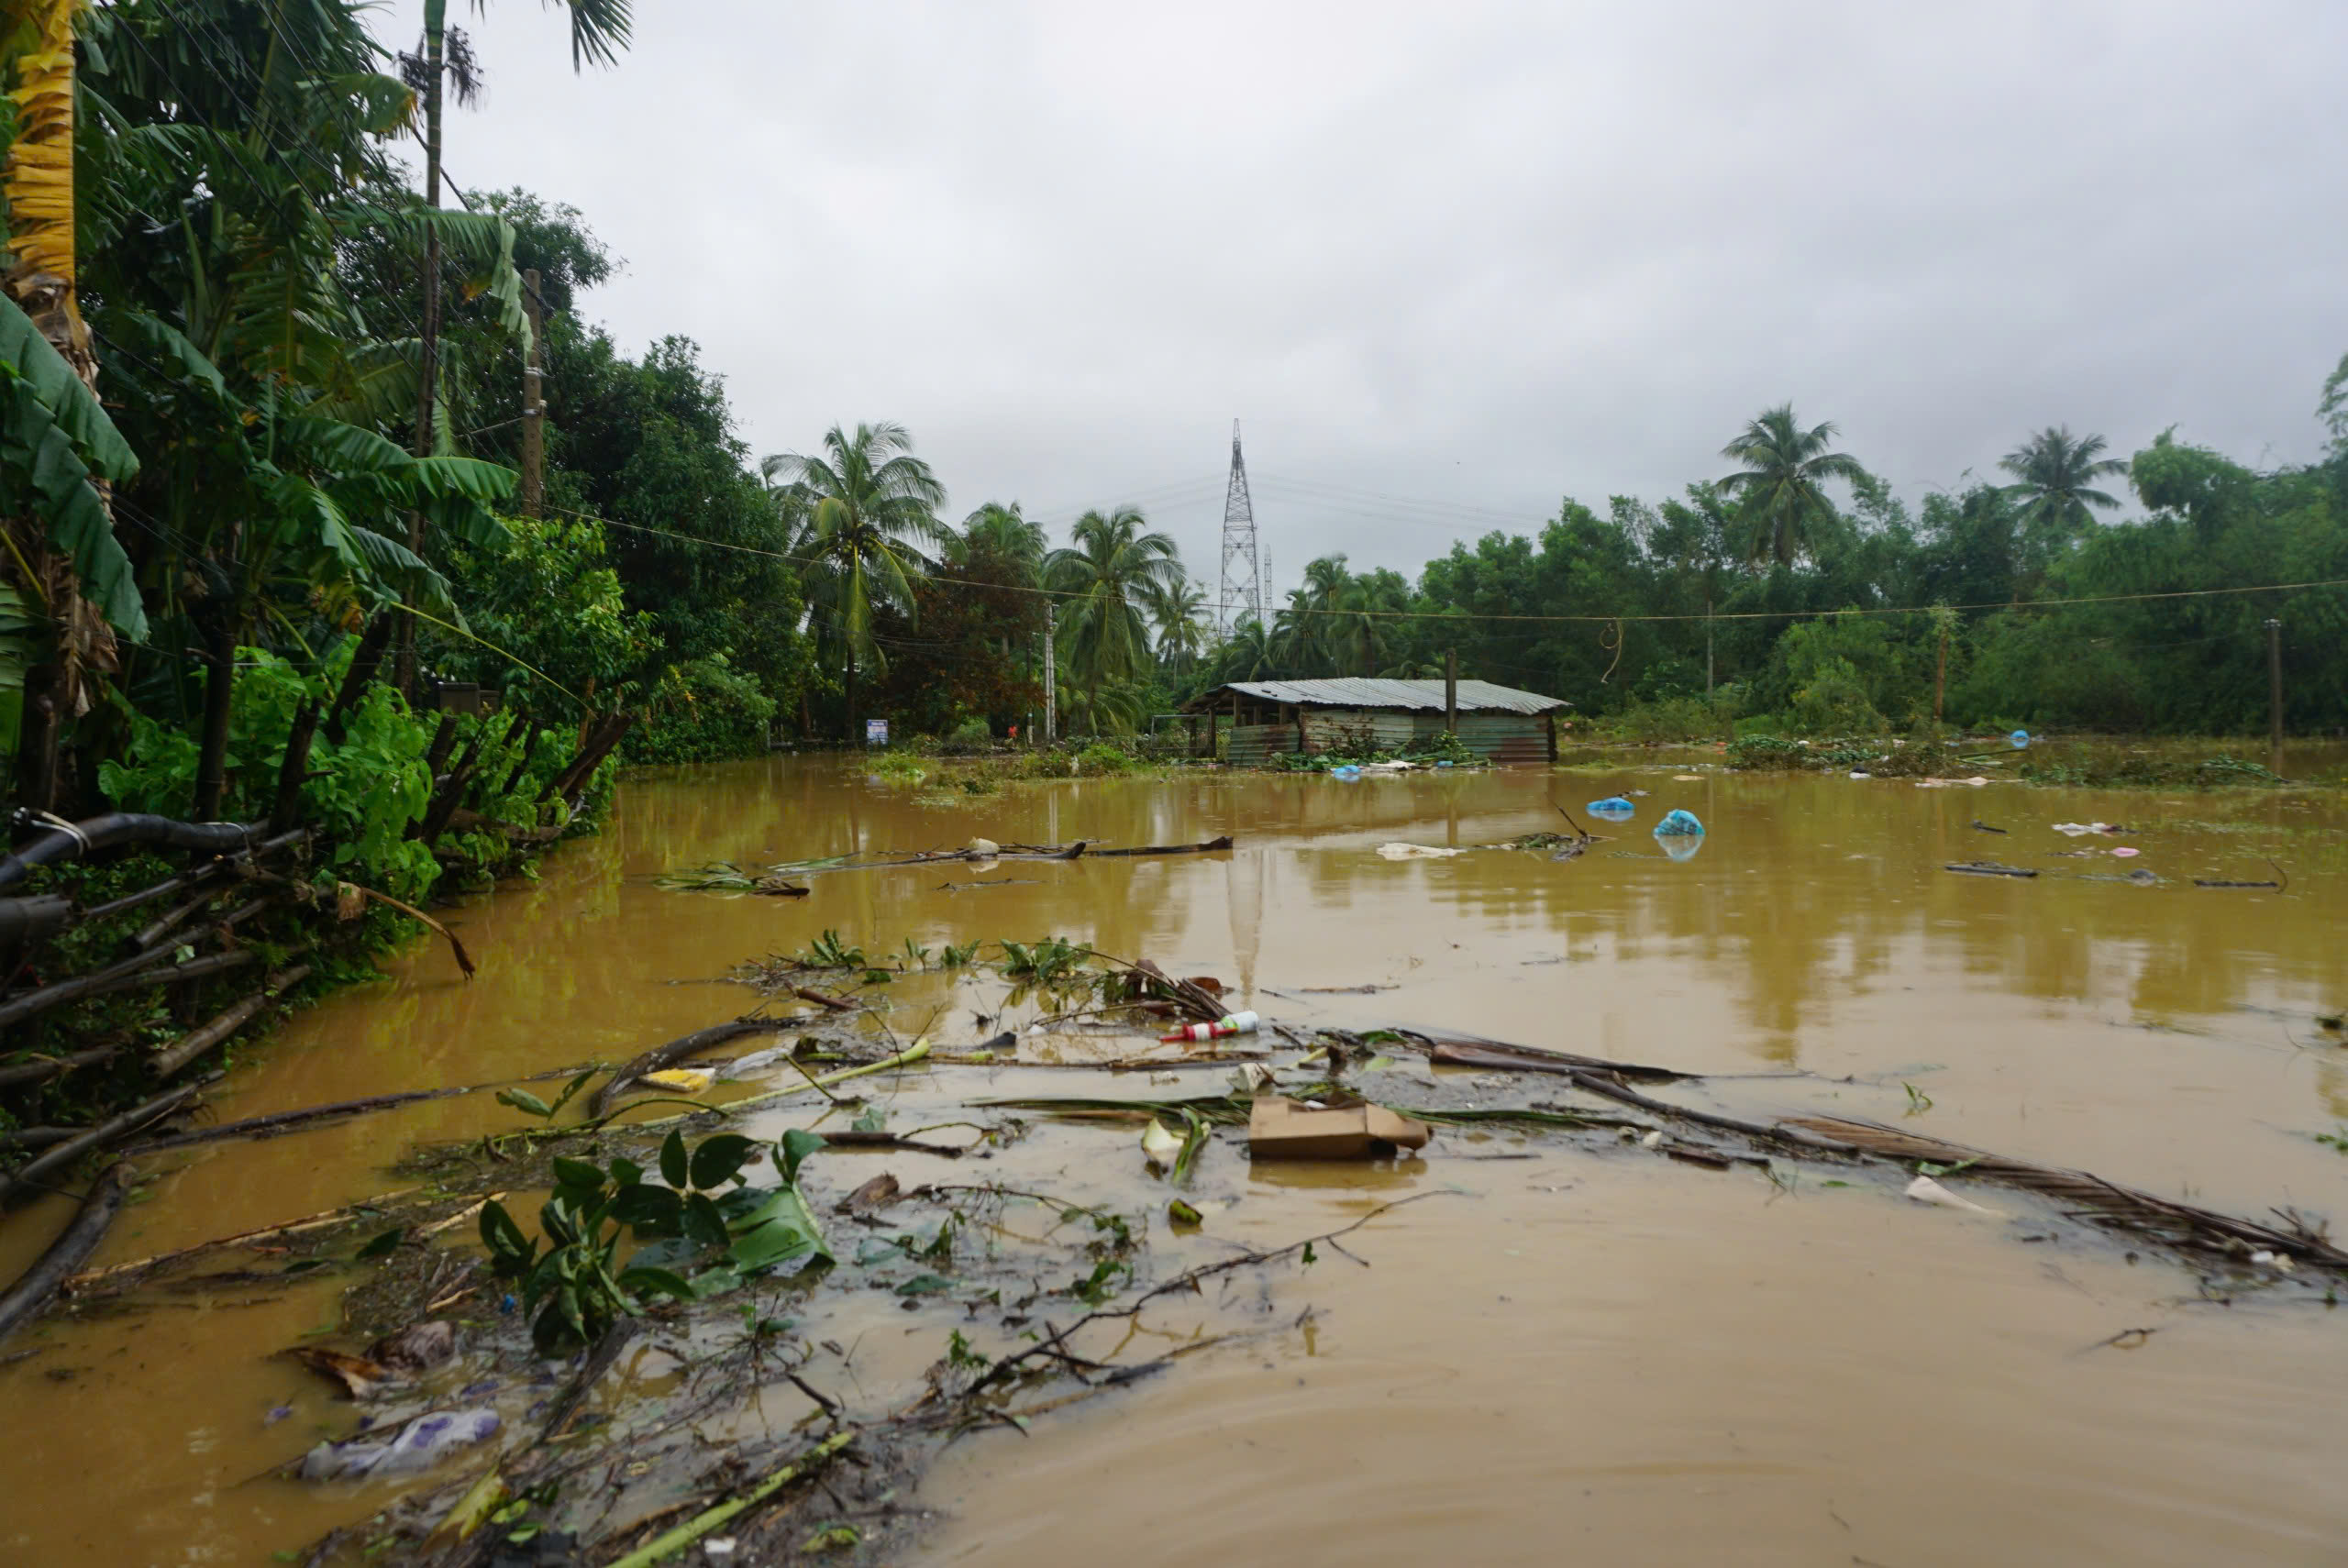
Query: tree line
pixel 265 396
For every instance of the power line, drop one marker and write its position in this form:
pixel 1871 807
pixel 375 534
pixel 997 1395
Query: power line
pixel 1478 616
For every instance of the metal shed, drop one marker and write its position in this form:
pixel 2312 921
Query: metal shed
pixel 1267 716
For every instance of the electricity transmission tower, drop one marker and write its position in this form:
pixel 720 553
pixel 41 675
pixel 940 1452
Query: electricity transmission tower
pixel 1243 574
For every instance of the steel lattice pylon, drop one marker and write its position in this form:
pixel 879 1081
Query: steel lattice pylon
pixel 1243 576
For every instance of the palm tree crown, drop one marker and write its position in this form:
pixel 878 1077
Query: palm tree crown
pixel 1003 532
pixel 2055 473
pixel 1110 563
pixel 863 512
pixel 1785 468
pixel 1175 609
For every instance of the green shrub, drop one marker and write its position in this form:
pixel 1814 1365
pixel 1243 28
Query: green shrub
pixel 705 711
pixel 1833 701
pixel 1103 757
pixel 1768 754
pixel 972 731
pixel 1678 718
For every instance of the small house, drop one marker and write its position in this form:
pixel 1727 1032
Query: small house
pixel 1358 714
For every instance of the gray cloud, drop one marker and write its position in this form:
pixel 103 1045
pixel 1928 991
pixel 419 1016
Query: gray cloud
pixel 1472 257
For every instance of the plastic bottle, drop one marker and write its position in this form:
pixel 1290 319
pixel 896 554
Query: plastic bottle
pixel 1234 1023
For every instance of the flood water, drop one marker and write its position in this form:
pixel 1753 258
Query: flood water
pixel 1561 1355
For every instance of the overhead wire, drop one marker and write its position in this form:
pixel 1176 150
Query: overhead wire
pixel 1480 616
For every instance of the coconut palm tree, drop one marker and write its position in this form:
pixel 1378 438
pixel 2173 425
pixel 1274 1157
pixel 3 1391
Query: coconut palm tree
pixel 1785 470
pixel 1176 610
pixel 2056 473
pixel 863 512
pixel 599 31
pixel 1102 576
pixel 1004 533
pixel 1245 654
pixel 1359 631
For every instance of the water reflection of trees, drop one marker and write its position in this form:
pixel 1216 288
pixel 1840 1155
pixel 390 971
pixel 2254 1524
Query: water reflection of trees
pixel 1808 891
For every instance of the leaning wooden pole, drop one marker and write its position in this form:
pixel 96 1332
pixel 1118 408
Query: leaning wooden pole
pixel 26 1299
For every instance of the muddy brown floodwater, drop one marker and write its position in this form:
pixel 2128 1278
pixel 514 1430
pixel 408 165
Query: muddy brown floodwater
pixel 1628 1359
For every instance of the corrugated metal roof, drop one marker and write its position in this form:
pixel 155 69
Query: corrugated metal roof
pixel 1417 696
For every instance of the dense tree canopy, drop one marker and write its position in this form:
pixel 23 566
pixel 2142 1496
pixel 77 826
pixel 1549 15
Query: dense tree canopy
pixel 230 332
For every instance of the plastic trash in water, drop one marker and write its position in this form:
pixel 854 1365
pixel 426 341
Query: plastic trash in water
pixel 1679 836
pixel 2020 739
pixel 420 1444
pixel 1233 1023
pixel 1347 773
pixel 1613 809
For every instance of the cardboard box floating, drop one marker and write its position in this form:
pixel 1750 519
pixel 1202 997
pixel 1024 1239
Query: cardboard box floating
pixel 1281 1129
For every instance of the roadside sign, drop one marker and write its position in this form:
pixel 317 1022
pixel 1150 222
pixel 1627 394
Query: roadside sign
pixel 876 732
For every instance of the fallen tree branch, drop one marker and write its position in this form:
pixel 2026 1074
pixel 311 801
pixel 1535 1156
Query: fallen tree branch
pixel 43 1068
pixel 1209 847
pixel 63 1154
pixel 277 1121
pixel 678 1050
pixel 196 1042
pixel 599 1360
pixel 809 993
pixel 2182 1222
pixel 1606 1086
pixel 1492 1054
pixel 325 1217
pixel 33 1291
pixel 194 877
pixel 1190 1279
pixel 130 974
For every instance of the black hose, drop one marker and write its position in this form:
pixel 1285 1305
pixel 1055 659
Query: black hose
pixel 126 827
pixel 27 920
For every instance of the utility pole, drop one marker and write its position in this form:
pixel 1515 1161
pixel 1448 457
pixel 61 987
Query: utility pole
pixel 533 404
pixel 1708 646
pixel 1051 675
pixel 2274 690
pixel 1451 690
pixel 1940 678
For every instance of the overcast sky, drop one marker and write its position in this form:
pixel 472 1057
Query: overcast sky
pixel 1449 262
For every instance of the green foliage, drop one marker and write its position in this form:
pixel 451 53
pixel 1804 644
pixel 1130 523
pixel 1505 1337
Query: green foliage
pixel 971 732
pixel 55 439
pixel 2172 765
pixel 1768 754
pixel 1113 566
pixel 1678 718
pixel 547 602
pixel 896 768
pixel 1103 758
pixel 531 1105
pixel 363 793
pixel 700 1210
pixel 705 711
pixel 829 951
pixel 1052 962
